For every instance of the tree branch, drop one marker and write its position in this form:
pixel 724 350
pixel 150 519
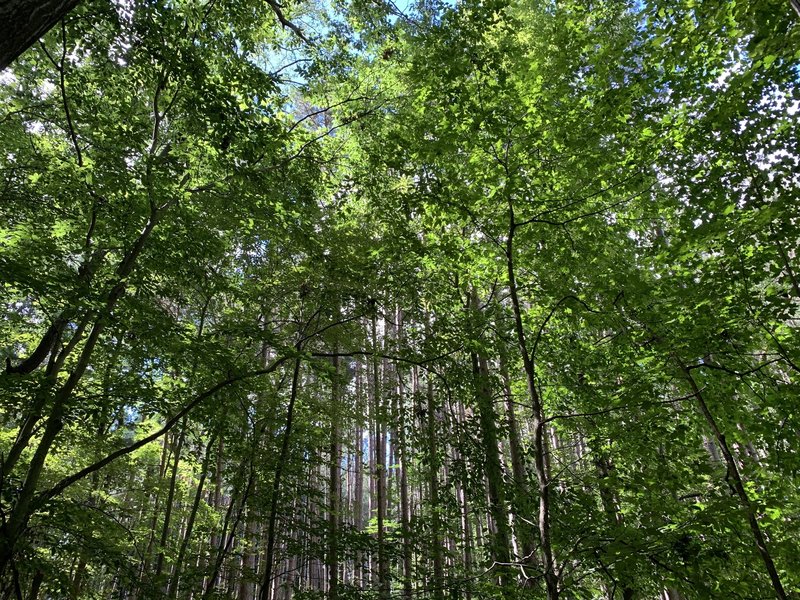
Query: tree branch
pixel 717 367
pixel 278 10
pixel 624 407
pixel 74 478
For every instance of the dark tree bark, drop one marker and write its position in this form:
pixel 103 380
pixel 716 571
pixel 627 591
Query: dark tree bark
pixel 384 584
pixel 187 536
pixel 358 484
pixel 493 469
pixel 500 536
pixel 402 457
pixel 266 581
pixel 522 494
pixel 46 345
pixel 25 21
pixel 165 529
pixel 433 493
pixel 540 450
pixel 738 486
pixel 335 486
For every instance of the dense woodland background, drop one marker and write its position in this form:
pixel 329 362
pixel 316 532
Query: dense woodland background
pixel 493 299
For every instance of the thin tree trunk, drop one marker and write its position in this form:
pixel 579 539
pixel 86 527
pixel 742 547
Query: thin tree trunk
pixel 334 485
pixel 22 509
pixel 162 471
pixel 215 499
pixel 358 487
pixel 170 499
pixel 380 472
pixel 493 469
pixel 226 542
pixel 539 439
pixel 172 592
pixel 738 485
pixel 466 523
pixel 269 557
pixel 518 468
pixel 402 454
pixel 433 491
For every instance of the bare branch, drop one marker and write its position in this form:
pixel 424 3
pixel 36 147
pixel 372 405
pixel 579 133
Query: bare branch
pixel 604 411
pixel 717 367
pixel 278 10
pixel 171 422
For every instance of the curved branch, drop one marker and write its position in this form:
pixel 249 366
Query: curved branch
pixel 75 477
pixel 717 367
pixel 604 411
pixel 277 9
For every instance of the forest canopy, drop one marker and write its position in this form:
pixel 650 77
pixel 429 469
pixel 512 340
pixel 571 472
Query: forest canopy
pixel 369 300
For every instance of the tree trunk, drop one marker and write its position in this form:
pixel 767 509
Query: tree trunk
pixel 358 486
pixel 518 469
pixel 433 491
pixel 402 455
pixel 24 507
pixel 269 557
pixel 334 486
pixel 162 471
pixel 226 541
pixel 466 523
pixel 170 499
pixel 25 21
pixel 493 468
pixel 380 471
pixel 539 440
pixel 248 568
pixel 215 499
pixel 738 485
pixel 172 592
